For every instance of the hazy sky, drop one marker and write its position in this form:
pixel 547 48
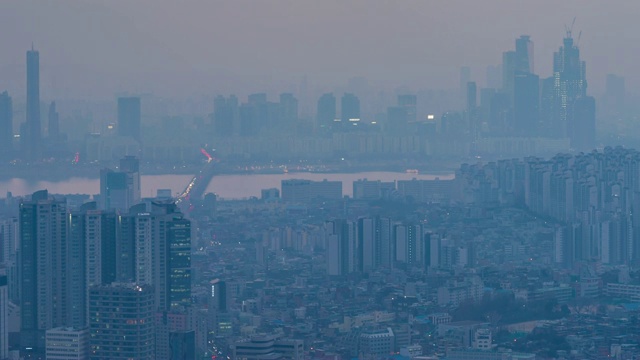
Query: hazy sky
pixel 185 48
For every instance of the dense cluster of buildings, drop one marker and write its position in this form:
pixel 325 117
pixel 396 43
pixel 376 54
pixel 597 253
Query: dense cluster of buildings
pixel 482 266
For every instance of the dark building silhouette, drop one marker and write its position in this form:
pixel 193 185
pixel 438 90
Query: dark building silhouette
pixel 349 108
pixel 258 115
pixel 129 308
pixel 472 109
pixel 472 96
pixel 33 134
pixel 129 117
pixel 6 124
pixel 508 72
pixel 410 104
pixel 182 345
pixel 326 111
pixel 397 120
pixel 168 268
pixel 526 104
pixel 226 116
pixel 92 256
pixel 43 268
pixel 288 118
pixel 524 55
pixel 119 190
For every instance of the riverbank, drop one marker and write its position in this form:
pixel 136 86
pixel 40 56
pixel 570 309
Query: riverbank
pixel 63 171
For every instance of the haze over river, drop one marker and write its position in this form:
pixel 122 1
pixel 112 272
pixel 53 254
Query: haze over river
pixel 229 186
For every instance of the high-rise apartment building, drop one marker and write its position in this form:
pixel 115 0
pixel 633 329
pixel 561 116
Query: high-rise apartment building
pixel 341 247
pixel 121 322
pixel 349 108
pixel 33 135
pixel 410 104
pixel 226 116
pixel 43 254
pixel 129 117
pixel 4 321
pixel 92 257
pixel 373 247
pixel 288 117
pixel 326 111
pixel 154 249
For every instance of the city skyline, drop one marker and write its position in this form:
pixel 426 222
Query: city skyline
pixel 130 60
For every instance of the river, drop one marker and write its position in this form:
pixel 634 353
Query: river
pixel 230 186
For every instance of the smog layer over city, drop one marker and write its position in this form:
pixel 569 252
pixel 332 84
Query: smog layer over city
pixel 320 180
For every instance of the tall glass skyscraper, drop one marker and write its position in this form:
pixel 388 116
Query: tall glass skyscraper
pixel 33 128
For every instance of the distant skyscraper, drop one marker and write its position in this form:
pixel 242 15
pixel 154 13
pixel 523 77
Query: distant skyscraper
pixel 119 190
pixel 288 112
pixel 6 124
pixel 472 97
pixel 33 140
pixel 129 117
pixel 349 108
pixel 397 120
pixel 526 104
pixel 54 121
pixel 326 112
pixel 226 116
pixel 472 111
pixel 524 54
pixel 508 72
pixel 43 253
pixel 570 83
pixel 129 309
pixel 410 104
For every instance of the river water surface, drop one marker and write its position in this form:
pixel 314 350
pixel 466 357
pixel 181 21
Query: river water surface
pixel 229 186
